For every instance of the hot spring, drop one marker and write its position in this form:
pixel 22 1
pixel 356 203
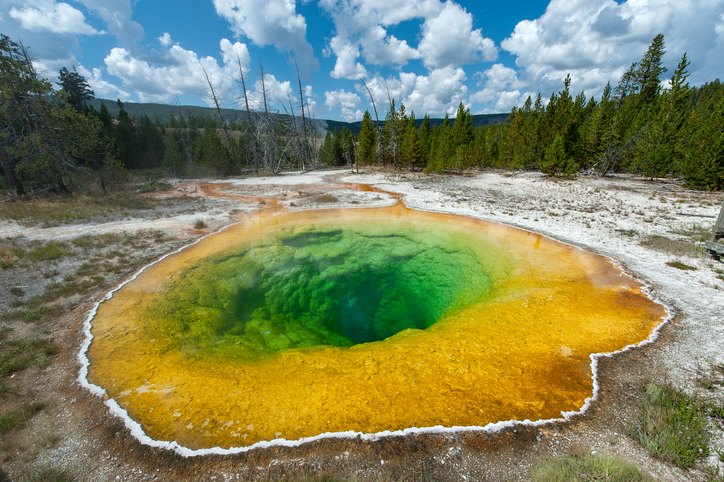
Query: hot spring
pixel 293 325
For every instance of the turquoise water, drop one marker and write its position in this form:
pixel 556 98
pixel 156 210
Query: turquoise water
pixel 332 285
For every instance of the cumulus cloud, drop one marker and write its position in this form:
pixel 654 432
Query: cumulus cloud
pixel 271 22
pixel 348 102
pixel 501 89
pixel 117 16
pixel 383 49
pixel 165 39
pixel 180 74
pixel 47 15
pixel 449 39
pixel 346 65
pixel 102 88
pixel 597 40
pixel 438 93
pixel 361 31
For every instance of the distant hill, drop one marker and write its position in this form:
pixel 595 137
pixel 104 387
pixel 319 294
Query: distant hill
pixel 162 112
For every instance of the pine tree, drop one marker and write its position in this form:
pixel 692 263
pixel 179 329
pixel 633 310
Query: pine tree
pixel 367 141
pixel 424 135
pixel 556 161
pixel 174 158
pixel 326 150
pixel 647 76
pixel 411 144
pixel 703 162
pixel 75 87
pixel 210 151
pixel 125 138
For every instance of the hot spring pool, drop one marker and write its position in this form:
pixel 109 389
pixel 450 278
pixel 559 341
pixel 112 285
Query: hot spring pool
pixel 293 325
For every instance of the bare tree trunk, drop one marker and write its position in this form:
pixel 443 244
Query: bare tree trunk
pixel 394 128
pixel 304 122
pixel 270 130
pixel 248 115
pixel 10 172
pixel 377 121
pixel 218 109
pixel 295 132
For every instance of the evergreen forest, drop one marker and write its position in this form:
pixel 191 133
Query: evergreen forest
pixel 650 124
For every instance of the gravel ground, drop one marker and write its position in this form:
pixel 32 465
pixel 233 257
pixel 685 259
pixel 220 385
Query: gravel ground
pixel 615 217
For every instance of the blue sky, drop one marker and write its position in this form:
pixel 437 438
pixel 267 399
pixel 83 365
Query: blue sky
pixel 429 54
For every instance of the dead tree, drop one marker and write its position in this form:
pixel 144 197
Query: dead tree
pixel 248 115
pixel 268 131
pixel 304 122
pixel 218 109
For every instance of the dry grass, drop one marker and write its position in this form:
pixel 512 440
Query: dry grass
pixel 671 246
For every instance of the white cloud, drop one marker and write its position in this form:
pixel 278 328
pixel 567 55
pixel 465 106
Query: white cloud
pixel 180 74
pixel 597 40
pixel 501 90
pixel 346 66
pixel 117 15
pixel 361 30
pixel 102 88
pixel 348 102
pixel 165 39
pixel 449 39
pixel 271 22
pixel 437 94
pixel 47 15
pixel 383 49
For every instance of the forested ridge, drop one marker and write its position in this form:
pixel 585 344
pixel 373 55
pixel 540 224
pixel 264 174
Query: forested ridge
pixel 649 124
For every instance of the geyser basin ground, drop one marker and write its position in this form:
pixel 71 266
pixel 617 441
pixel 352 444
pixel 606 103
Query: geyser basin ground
pixel 297 324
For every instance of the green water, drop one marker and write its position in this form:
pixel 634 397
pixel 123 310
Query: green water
pixel 329 285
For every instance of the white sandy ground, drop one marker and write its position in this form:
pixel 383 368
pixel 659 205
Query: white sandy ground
pixel 608 216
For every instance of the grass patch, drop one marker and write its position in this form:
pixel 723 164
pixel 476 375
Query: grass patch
pixel 54 210
pixel 679 265
pixel 35 314
pixel 628 232
pixel 585 467
pixel 16 291
pixel 52 475
pixel 18 418
pixel 672 425
pixel 671 246
pixel 17 355
pixel 49 251
pixel 200 224
pixel 39 306
pixel 697 232
pixel 11 254
pixel 98 241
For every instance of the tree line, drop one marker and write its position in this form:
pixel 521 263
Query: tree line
pixel 637 127
pixel 53 139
